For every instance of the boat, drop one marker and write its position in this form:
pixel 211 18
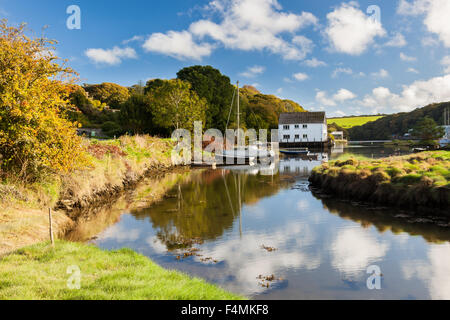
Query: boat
pixel 417 150
pixel 240 155
pixel 301 151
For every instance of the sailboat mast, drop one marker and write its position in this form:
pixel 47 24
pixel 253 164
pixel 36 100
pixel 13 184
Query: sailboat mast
pixel 238 114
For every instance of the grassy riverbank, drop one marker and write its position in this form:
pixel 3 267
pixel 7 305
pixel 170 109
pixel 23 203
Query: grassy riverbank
pixel 111 166
pixel 418 181
pixel 40 272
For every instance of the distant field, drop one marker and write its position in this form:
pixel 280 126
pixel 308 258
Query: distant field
pixel 350 122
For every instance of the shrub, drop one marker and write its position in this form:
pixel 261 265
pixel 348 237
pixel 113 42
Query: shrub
pixel 34 90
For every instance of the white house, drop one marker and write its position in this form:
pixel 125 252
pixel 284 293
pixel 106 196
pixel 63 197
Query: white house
pixel 302 128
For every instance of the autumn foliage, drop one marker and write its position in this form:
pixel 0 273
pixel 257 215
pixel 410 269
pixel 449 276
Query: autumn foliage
pixel 34 90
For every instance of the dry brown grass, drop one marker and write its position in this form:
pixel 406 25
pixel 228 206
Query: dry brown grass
pixel 23 227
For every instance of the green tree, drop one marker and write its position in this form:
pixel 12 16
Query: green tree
pixel 110 93
pixel 153 84
pixel 136 115
pixel 216 88
pixel 177 106
pixel 427 130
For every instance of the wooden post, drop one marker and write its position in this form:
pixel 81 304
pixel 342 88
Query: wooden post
pixel 51 226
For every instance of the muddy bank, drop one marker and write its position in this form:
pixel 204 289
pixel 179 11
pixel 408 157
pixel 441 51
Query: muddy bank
pixel 91 220
pixel 75 205
pixel 115 167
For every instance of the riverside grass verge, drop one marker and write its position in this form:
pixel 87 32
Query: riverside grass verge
pixel 112 166
pixel 418 181
pixel 39 272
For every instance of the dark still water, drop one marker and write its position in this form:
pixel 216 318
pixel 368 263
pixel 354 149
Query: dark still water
pixel 235 227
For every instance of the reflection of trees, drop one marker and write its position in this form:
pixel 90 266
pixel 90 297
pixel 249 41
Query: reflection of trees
pixel 207 208
pixel 389 219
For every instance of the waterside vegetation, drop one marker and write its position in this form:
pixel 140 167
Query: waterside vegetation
pixel 418 181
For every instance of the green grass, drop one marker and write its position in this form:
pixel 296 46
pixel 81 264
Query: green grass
pixel 351 122
pixel 40 272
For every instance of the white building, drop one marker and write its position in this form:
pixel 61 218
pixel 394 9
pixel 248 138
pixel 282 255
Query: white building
pixel 302 128
pixel 445 140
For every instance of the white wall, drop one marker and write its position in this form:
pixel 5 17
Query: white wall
pixel 317 132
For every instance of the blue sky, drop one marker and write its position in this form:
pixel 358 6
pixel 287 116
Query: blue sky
pixel 326 55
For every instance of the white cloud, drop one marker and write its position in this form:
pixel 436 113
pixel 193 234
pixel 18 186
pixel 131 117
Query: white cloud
pixel 252 72
pixel 322 98
pixel 398 40
pixel 446 63
pixel 343 95
pixel 133 39
pixel 350 31
pixel 354 250
pixel 429 42
pixel 338 71
pixel 435 271
pixel 179 45
pixel 314 63
pixel 304 47
pixel 405 57
pixel 418 94
pixel 110 56
pixel 340 96
pixel 380 74
pixel 436 15
pixel 339 113
pixel 300 76
pixel 256 25
pixel 412 70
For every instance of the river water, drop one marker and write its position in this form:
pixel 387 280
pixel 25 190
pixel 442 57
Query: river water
pixel 235 227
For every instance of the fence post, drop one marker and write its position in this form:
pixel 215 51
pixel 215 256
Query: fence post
pixel 51 226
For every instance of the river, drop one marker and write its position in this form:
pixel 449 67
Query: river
pixel 235 227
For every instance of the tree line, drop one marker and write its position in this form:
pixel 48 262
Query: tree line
pixel 199 93
pixel 421 122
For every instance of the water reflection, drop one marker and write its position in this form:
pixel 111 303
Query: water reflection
pixel 323 245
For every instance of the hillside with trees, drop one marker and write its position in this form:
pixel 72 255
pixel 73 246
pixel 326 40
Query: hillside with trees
pixel 262 111
pixel 398 124
pixel 199 93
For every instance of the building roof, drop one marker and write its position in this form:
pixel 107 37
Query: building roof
pixel 302 117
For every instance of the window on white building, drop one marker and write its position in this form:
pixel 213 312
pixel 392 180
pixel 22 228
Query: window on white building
pixel 286 127
pixel 305 126
pixel 297 126
pixel 305 136
pixel 297 136
pixel 286 137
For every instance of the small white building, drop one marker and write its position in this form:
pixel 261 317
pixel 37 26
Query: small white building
pixel 338 135
pixel 445 140
pixel 302 128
